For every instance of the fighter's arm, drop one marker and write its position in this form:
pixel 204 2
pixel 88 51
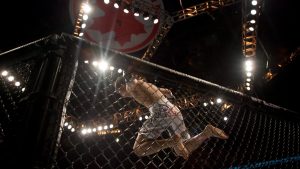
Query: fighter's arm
pixel 164 91
pixel 167 92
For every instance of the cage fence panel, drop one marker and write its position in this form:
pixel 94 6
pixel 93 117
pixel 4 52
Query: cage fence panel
pixel 163 129
pixel 34 89
pixel 101 127
pixel 13 82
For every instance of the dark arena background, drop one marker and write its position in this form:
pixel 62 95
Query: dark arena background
pixel 231 64
pixel 65 113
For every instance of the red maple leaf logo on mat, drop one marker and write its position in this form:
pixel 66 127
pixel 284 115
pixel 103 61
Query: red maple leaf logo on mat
pixel 115 20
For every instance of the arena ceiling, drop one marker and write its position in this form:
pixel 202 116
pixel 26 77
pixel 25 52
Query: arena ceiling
pixel 207 46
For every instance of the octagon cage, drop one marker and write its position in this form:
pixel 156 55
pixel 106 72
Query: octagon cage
pixel 60 109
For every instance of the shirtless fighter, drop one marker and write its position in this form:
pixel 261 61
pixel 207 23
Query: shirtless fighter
pixel 163 116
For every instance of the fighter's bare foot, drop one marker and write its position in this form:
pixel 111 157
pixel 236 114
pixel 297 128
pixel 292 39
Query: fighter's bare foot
pixel 212 131
pixel 180 146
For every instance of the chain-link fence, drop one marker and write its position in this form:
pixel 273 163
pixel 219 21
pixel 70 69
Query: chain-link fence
pixel 103 129
pixel 13 84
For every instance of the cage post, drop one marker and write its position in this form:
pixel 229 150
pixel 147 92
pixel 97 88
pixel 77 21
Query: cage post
pixel 44 107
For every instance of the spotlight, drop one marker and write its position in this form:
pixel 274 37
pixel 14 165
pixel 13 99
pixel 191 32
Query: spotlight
pixel 251 28
pixel 87 8
pixel 17 84
pixel 253 12
pixel 103 65
pixel 249 62
pixel 219 100
pixel 95 63
pixel 117 4
pixel 85 17
pixel 126 8
pixel 155 19
pixel 249 65
pixel 136 12
pixel 4 73
pixel 10 78
pixel 83 131
pixel 254 2
pixel 248 68
pixel 146 16
pixel 249 74
pixel 106 1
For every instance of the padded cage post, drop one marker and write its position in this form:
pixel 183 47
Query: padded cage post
pixel 35 131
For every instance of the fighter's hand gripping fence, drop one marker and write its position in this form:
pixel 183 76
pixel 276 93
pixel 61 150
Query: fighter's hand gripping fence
pixel 101 127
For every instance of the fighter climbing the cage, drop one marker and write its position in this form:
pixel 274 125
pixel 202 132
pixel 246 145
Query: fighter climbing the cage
pixel 163 116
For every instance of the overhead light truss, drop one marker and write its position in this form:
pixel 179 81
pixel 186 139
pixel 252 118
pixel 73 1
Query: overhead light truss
pixel 250 13
pixel 201 8
pixel 180 16
pixel 166 26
